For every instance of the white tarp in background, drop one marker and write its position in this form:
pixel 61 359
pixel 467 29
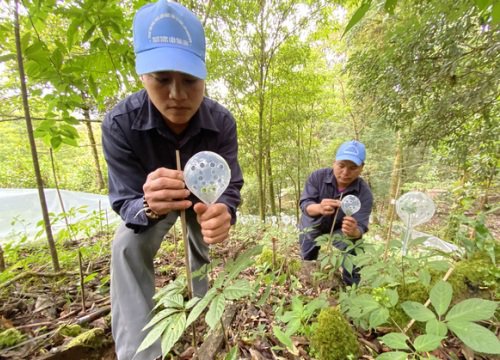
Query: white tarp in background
pixel 23 207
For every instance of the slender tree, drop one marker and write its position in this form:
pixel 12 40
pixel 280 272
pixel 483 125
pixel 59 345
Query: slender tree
pixel 34 155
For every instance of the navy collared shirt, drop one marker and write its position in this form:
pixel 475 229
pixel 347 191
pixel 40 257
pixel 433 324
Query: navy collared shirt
pixel 322 184
pixel 136 141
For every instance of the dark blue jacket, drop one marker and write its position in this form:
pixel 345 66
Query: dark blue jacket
pixel 136 141
pixel 322 184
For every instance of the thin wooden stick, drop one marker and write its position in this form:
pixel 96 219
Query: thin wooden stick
pixel 329 248
pixel 185 238
pixel 186 256
pixel 428 302
pixel 336 213
pixel 82 282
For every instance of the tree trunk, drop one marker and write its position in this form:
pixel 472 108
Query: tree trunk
pixel 394 191
pixel 34 155
pixel 269 163
pixel 260 159
pixel 93 146
pixel 2 260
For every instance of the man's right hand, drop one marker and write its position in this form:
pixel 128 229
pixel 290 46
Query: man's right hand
pixel 325 207
pixel 165 191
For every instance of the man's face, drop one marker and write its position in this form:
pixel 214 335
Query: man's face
pixel 176 95
pixel 346 172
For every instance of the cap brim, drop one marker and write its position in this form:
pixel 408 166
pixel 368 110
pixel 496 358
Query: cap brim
pixel 170 59
pixel 354 159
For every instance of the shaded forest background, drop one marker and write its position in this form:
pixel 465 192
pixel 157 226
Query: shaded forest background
pixel 416 82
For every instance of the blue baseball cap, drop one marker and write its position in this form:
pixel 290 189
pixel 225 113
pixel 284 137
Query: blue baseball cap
pixel 169 37
pixel 353 151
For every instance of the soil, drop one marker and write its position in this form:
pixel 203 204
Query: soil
pixel 38 303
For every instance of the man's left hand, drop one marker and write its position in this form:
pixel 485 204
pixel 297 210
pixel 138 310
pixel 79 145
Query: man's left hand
pixel 350 227
pixel 214 220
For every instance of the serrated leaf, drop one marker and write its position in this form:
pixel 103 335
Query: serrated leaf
pixel 393 355
pixel 417 311
pixel 440 296
pixel 297 305
pixel 348 265
pixel 378 317
pixel 175 301
pixel 200 306
pixel 395 341
pixel 160 316
pixel 425 277
pixel 242 262
pixel 393 297
pixel 154 334
pixel 175 287
pixel 237 290
pixel 472 310
pixel 191 303
pixel 173 333
pixel 215 311
pixel 285 340
pixel 366 302
pixel 427 342
pixel 475 336
pixel 436 327
pixel 264 296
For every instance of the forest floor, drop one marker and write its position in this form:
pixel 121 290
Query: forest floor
pixel 45 307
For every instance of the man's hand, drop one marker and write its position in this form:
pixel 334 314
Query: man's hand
pixel 215 222
pixel 350 227
pixel 325 207
pixel 164 191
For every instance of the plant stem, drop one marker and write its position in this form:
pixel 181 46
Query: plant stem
pixel 428 302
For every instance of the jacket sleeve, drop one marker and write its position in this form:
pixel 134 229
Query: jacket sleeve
pixel 228 149
pixel 363 215
pixel 125 176
pixel 310 194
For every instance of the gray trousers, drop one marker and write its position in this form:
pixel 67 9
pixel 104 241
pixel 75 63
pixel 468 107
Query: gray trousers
pixel 132 281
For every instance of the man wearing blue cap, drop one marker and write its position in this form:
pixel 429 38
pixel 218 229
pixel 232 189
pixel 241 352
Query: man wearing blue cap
pixel 321 200
pixel 140 137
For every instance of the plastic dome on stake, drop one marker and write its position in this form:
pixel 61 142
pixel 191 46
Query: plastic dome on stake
pixel 413 208
pixel 350 205
pixel 207 176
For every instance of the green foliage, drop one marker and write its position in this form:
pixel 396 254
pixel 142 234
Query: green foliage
pixel 175 314
pixel 71 330
pixel 489 11
pixel 93 338
pixel 460 319
pixel 435 92
pixel 369 310
pixel 477 273
pixel 10 337
pixel 298 317
pixel 475 237
pixel 333 338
